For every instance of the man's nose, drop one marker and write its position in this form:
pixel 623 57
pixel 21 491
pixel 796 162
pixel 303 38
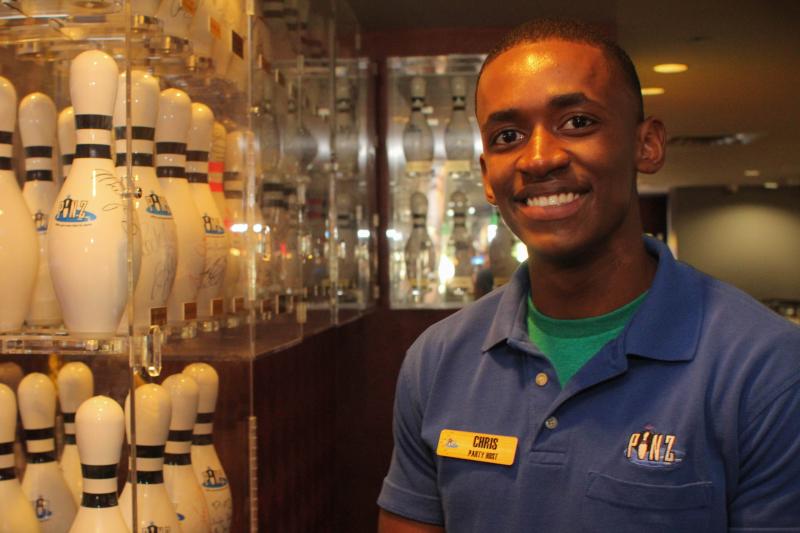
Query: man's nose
pixel 543 154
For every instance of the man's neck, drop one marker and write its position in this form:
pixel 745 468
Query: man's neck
pixel 594 286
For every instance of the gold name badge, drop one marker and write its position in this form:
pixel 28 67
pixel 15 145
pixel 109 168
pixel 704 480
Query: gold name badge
pixel 497 449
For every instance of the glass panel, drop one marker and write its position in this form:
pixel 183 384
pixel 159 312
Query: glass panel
pixel 446 245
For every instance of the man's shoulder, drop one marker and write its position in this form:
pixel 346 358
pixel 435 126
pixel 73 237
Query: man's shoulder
pixel 741 314
pixel 748 342
pixel 466 328
pixel 468 323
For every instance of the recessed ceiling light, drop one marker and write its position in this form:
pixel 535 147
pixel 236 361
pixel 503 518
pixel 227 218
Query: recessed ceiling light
pixel 652 91
pixel 770 185
pixel 752 173
pixel 670 68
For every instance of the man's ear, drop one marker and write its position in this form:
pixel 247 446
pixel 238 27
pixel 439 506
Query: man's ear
pixel 650 145
pixel 487 189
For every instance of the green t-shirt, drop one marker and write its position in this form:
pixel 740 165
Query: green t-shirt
pixel 570 343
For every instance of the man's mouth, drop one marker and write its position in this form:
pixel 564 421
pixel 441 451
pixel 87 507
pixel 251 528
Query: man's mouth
pixel 552 200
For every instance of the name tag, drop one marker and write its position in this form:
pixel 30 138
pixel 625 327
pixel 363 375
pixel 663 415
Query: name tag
pixel 482 447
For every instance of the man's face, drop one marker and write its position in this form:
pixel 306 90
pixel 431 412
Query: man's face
pixel 561 146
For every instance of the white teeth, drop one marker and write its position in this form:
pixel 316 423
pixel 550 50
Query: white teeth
pixel 552 199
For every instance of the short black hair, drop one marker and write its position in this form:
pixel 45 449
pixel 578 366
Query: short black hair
pixel 573 31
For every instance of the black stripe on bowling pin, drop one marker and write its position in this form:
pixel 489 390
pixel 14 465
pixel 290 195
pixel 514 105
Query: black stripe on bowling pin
pixel 7 458
pixel 171 148
pixel 84 125
pixel 6 138
pixel 232 185
pixel 152 456
pixel 69 428
pixel 197 166
pixel 99 473
pixel 202 435
pixel 141 145
pixel 41 445
pixel 181 441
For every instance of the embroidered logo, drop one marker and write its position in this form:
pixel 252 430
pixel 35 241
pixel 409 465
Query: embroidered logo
pixel 651 448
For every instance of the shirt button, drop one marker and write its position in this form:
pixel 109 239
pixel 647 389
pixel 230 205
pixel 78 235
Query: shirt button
pixel 551 423
pixel 541 379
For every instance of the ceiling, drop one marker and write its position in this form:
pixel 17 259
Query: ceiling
pixel 743 77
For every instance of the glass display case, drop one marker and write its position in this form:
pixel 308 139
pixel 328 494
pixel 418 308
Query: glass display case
pixel 187 186
pixel 447 245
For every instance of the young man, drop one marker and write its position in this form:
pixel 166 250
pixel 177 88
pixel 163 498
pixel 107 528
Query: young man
pixel 606 387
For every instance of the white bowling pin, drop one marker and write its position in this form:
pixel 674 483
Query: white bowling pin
pixel 11 374
pixel 216 170
pixel 154 508
pixel 233 185
pixel 66 139
pixel 100 430
pixel 16 513
pixel 172 127
pixel 37 126
pixel 156 225
pixel 87 239
pixel 179 478
pixel 216 167
pixel 209 297
pixel 75 385
pixel 205 461
pixel 19 246
pixel 43 483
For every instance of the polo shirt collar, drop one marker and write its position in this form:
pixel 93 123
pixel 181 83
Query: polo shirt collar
pixel 665 327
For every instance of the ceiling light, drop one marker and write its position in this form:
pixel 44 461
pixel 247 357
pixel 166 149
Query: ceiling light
pixel 652 91
pixel 770 185
pixel 670 68
pixel 752 173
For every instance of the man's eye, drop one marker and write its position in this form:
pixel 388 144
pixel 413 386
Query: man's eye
pixel 507 137
pixel 578 122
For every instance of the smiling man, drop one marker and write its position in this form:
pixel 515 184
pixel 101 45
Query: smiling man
pixel 606 387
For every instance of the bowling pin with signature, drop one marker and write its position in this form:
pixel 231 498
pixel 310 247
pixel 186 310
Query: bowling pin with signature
pixel 75 385
pixel 207 466
pixel 100 430
pixel 16 513
pixel 209 297
pixel 19 246
pixel 172 127
pixel 154 216
pixel 37 126
pixel 43 482
pixel 154 508
pixel 179 478
pixel 66 139
pixel 88 236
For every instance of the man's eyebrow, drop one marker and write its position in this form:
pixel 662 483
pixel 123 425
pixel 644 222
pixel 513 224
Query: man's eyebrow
pixel 558 102
pixel 568 100
pixel 503 115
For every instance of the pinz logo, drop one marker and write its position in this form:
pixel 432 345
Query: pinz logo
pixel 73 211
pixel 42 509
pixel 40 221
pixel 212 225
pixel 152 528
pixel 158 206
pixel 650 448
pixel 214 479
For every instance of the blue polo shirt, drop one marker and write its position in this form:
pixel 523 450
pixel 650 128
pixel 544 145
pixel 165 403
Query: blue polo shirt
pixel 689 421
